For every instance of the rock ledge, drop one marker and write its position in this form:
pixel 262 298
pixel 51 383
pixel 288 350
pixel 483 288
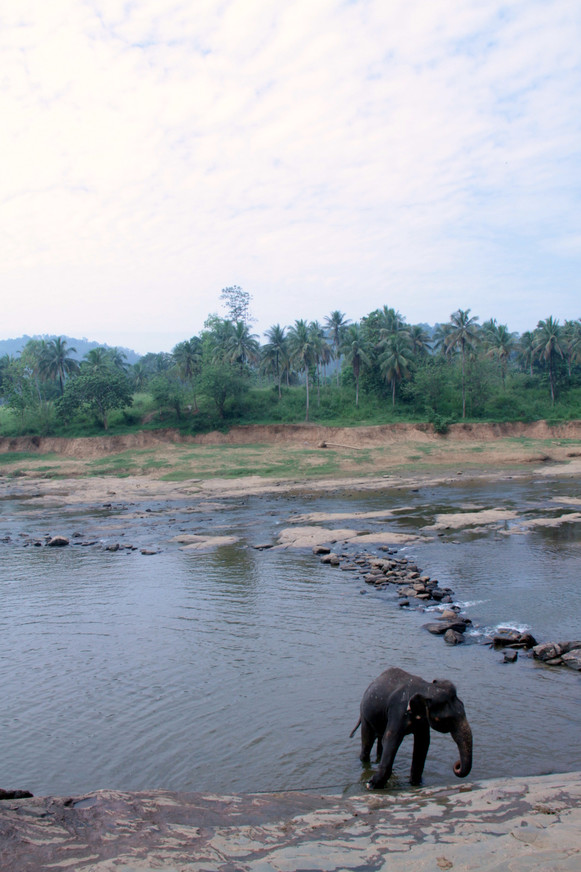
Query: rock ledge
pixel 524 823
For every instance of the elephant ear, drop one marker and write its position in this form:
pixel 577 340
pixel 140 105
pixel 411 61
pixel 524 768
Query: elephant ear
pixel 417 706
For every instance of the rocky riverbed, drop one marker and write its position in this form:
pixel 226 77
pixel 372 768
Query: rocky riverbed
pixel 419 591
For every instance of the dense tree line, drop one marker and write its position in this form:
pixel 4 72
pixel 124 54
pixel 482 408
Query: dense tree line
pixel 457 369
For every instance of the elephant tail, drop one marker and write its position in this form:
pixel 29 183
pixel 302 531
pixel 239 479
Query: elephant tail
pixel 355 728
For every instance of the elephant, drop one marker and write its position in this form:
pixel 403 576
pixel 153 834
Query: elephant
pixel 397 704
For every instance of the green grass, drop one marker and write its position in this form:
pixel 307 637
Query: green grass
pixel 241 461
pixel 18 456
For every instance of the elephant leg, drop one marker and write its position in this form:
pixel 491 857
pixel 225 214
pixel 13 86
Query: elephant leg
pixel 391 741
pixel 421 745
pixel 367 740
pixel 379 749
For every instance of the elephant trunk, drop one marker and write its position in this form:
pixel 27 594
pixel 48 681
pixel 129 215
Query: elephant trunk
pixel 462 735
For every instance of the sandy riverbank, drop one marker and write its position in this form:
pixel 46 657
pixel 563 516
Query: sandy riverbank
pixel 291 457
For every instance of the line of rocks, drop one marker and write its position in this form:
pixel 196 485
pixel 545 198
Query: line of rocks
pixel 63 541
pixel 411 584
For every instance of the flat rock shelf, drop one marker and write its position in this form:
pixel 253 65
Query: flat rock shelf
pixel 505 824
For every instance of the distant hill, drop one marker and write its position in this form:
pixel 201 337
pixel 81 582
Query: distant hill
pixel 13 347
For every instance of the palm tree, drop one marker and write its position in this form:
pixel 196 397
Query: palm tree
pixel 354 349
pixel 302 351
pixel 101 359
pixel 242 345
pixel 97 360
pixel 187 355
pixel 390 321
pixel 572 341
pixel 138 374
pixel 463 335
pixel 419 341
pixel 441 335
pixel 188 358
pixel 5 362
pixel 575 341
pixel 117 358
pixel 394 363
pixel 526 350
pixel 219 338
pixel 336 324
pixel 548 343
pixel 56 363
pixel 322 351
pixel 275 353
pixel 32 356
pixel 500 343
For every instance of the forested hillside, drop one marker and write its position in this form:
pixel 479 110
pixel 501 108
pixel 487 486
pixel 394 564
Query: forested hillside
pixel 15 347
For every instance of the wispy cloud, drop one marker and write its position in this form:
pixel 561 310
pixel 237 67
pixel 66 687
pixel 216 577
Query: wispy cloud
pixel 322 154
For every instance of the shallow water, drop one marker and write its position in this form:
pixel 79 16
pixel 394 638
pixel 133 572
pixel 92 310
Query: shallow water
pixel 242 670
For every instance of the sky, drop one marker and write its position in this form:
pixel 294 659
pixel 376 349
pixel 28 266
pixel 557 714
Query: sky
pixel 320 154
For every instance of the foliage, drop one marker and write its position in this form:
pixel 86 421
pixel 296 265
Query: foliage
pixel 384 370
pixel 237 302
pixel 55 361
pixel 275 357
pixel 302 350
pixel 548 344
pixel 169 391
pixel 18 387
pixel 356 353
pixel 463 335
pixel 222 384
pixel 95 391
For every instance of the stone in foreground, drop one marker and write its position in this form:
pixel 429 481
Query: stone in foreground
pixel 516 824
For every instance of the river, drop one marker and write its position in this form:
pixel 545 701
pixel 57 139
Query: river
pixel 241 670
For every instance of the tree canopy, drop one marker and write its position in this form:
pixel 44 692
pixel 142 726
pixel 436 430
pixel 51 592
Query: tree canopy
pixel 450 371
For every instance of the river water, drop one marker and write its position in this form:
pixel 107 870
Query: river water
pixel 241 670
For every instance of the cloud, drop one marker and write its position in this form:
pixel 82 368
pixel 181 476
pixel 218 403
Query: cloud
pixel 321 154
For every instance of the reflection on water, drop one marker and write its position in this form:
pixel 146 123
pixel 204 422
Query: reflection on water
pixel 242 670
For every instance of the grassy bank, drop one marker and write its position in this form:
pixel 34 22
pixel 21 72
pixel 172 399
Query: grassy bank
pixel 294 452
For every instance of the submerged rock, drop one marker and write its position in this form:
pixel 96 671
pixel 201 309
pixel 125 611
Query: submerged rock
pixel 439 628
pixel 57 542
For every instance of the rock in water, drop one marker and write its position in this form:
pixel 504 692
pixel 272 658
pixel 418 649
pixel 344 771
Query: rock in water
pixel 58 542
pixel 453 637
pixel 572 659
